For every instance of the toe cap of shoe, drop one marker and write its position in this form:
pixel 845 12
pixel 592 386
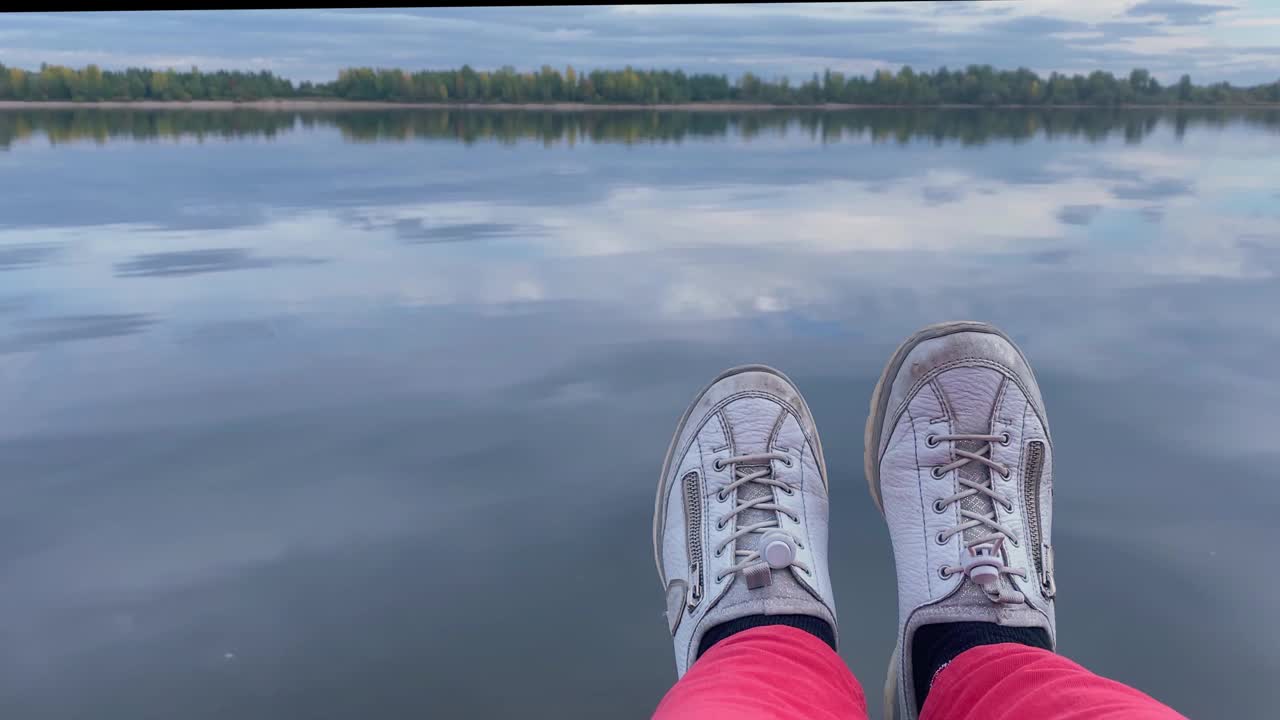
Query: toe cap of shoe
pixel 751 399
pixel 959 345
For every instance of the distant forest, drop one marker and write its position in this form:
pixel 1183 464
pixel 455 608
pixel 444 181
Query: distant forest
pixel 974 85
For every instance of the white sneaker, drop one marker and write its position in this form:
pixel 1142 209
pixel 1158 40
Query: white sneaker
pixel 959 462
pixel 740 520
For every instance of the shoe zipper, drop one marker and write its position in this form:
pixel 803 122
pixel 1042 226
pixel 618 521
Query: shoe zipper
pixel 693 530
pixel 1041 552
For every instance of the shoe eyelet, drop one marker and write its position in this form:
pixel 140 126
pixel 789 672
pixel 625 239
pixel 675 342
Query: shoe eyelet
pixel 717 465
pixel 1006 472
pixel 938 538
pixel 931 440
pixel 787 462
pixel 721 496
pixel 719 579
pixel 1004 438
pixel 936 472
pixel 720 524
pixel 719 552
pixel 943 573
pixel 1008 506
pixel 938 507
pixel 788 491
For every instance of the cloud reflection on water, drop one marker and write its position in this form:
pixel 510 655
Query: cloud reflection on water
pixel 206 455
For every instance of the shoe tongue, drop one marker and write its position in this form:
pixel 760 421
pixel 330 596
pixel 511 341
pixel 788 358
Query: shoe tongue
pixel 783 585
pixel 976 420
pixel 752 438
pixel 980 474
pixel 751 491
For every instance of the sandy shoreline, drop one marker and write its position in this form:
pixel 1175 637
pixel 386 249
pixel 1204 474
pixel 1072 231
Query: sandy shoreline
pixel 347 105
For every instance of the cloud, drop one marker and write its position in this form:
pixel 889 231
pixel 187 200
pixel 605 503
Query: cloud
pixel 32 57
pixel 1179 13
pixel 1038 25
pixel 790 39
pixel 1153 46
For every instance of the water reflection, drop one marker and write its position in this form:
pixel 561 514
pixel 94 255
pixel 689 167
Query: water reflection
pixel 286 426
pixel 17 256
pixel 36 332
pixel 418 232
pixel 967 126
pixel 194 262
pixel 1078 214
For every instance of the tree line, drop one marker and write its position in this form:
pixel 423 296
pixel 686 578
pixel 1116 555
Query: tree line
pixel 973 85
pixel 968 127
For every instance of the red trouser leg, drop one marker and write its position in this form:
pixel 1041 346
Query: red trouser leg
pixel 766 672
pixel 781 672
pixel 1007 681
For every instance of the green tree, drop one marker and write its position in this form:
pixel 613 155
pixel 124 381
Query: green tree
pixel 1184 88
pixel 976 84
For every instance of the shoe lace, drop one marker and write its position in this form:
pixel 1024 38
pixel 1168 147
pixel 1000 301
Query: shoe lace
pixel 756 468
pixel 983 565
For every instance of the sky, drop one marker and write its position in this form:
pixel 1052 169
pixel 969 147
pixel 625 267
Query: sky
pixel 1213 40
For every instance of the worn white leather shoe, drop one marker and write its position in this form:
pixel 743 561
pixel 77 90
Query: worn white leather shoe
pixel 959 461
pixel 740 520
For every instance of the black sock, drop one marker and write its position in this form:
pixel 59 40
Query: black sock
pixel 816 627
pixel 936 645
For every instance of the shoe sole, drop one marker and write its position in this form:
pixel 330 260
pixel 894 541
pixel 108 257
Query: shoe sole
pixel 871 448
pixel 659 507
pixel 891 686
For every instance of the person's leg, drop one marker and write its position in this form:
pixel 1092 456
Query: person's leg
pixel 772 671
pixel 960 462
pixel 1012 681
pixel 740 541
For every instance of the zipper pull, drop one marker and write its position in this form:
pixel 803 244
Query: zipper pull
pixel 695 585
pixel 1047 586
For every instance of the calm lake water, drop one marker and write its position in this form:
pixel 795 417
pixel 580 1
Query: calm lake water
pixel 360 414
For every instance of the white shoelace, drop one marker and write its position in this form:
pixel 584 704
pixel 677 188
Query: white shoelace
pixel 762 476
pixel 984 565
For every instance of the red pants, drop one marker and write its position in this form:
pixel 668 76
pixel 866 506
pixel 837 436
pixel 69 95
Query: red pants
pixel 782 672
